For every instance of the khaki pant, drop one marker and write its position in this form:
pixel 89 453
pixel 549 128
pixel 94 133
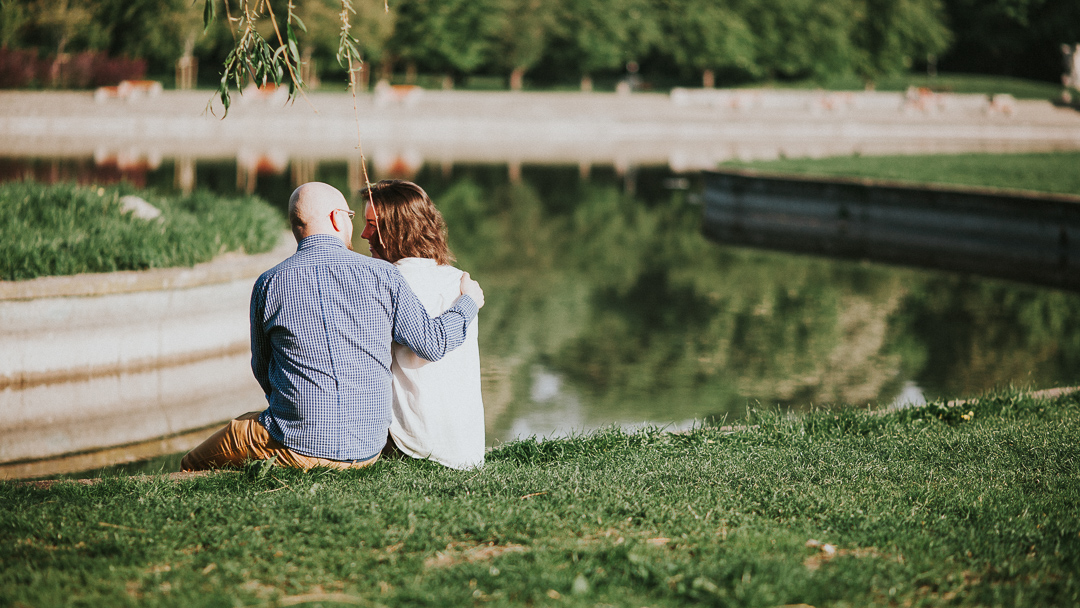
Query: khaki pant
pixel 246 439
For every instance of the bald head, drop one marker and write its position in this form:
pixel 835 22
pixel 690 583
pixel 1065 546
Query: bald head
pixel 314 209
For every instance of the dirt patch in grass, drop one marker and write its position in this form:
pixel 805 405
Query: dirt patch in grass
pixel 464 553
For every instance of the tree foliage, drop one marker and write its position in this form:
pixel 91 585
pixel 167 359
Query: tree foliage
pixel 165 27
pixel 899 32
pixel 266 40
pixel 520 43
pixel 59 22
pixel 707 35
pixel 1012 37
pixel 444 35
pixel 605 34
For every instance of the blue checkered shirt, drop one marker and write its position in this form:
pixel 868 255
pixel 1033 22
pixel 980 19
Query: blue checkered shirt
pixel 322 323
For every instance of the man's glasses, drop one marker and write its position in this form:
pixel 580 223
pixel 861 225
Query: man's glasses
pixel 350 212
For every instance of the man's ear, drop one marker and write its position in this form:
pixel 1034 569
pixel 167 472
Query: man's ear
pixel 334 221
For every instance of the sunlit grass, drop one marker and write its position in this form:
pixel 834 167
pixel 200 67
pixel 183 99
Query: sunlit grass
pixel 1057 172
pixel 65 229
pixel 605 82
pixel 982 84
pixel 972 504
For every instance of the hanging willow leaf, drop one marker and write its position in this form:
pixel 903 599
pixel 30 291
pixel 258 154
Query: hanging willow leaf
pixel 293 46
pixel 299 22
pixel 209 14
pixel 223 91
pixel 253 59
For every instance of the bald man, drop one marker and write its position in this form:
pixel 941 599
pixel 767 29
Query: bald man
pixel 322 323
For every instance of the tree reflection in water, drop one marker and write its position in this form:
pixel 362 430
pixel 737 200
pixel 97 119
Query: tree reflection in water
pixel 605 304
pixel 610 308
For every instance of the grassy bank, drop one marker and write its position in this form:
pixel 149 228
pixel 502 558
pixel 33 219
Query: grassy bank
pixel 1045 172
pixel 935 506
pixel 65 229
pixel 981 84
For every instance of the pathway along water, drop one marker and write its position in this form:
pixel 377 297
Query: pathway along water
pixel 686 130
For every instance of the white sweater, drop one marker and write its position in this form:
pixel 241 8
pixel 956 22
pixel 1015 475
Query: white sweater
pixel 438 411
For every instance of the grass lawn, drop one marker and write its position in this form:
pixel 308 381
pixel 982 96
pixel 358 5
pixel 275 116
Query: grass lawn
pixel 65 229
pixel 972 505
pixel 1019 88
pixel 1057 172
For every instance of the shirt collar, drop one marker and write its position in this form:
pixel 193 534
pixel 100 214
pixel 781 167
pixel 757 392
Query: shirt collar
pixel 416 262
pixel 318 240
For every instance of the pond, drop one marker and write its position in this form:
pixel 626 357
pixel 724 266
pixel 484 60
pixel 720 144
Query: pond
pixel 606 304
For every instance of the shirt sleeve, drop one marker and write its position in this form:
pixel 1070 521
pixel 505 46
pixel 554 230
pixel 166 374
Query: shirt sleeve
pixel 260 342
pixel 427 337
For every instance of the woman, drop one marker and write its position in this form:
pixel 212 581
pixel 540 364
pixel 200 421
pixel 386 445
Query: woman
pixel 438 412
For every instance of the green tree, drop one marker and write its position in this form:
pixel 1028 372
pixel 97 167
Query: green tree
pixel 774 38
pixel 1011 37
pixel 444 35
pixel 606 34
pixel 805 38
pixel 525 26
pixel 372 27
pixel 165 28
pixel 58 23
pixel 707 35
pixel 896 33
pixel 13 18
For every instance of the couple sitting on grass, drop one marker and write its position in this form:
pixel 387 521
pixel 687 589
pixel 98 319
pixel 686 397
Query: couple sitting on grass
pixel 343 346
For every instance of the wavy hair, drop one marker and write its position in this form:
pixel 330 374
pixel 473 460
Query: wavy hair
pixel 409 224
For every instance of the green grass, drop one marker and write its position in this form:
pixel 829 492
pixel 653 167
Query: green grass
pixel 65 229
pixel 974 83
pixel 1057 172
pixel 944 83
pixel 973 505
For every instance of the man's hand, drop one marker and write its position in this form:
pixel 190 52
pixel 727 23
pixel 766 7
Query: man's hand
pixel 472 289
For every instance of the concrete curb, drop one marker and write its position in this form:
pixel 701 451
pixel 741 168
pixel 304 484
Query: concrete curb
pixel 101 360
pixel 58 329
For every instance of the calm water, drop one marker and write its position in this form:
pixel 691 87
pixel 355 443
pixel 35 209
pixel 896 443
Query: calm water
pixel 605 305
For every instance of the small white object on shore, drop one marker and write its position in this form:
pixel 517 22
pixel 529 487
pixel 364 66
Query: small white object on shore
pixel 138 207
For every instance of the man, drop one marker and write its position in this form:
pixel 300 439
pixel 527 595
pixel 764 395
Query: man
pixel 322 323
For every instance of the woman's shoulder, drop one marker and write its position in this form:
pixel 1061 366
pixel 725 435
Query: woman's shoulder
pixel 426 265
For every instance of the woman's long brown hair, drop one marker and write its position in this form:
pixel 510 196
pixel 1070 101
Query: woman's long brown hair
pixel 409 225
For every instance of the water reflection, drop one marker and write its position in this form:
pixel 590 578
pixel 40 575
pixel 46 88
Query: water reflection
pixel 611 308
pixel 556 408
pixel 606 305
